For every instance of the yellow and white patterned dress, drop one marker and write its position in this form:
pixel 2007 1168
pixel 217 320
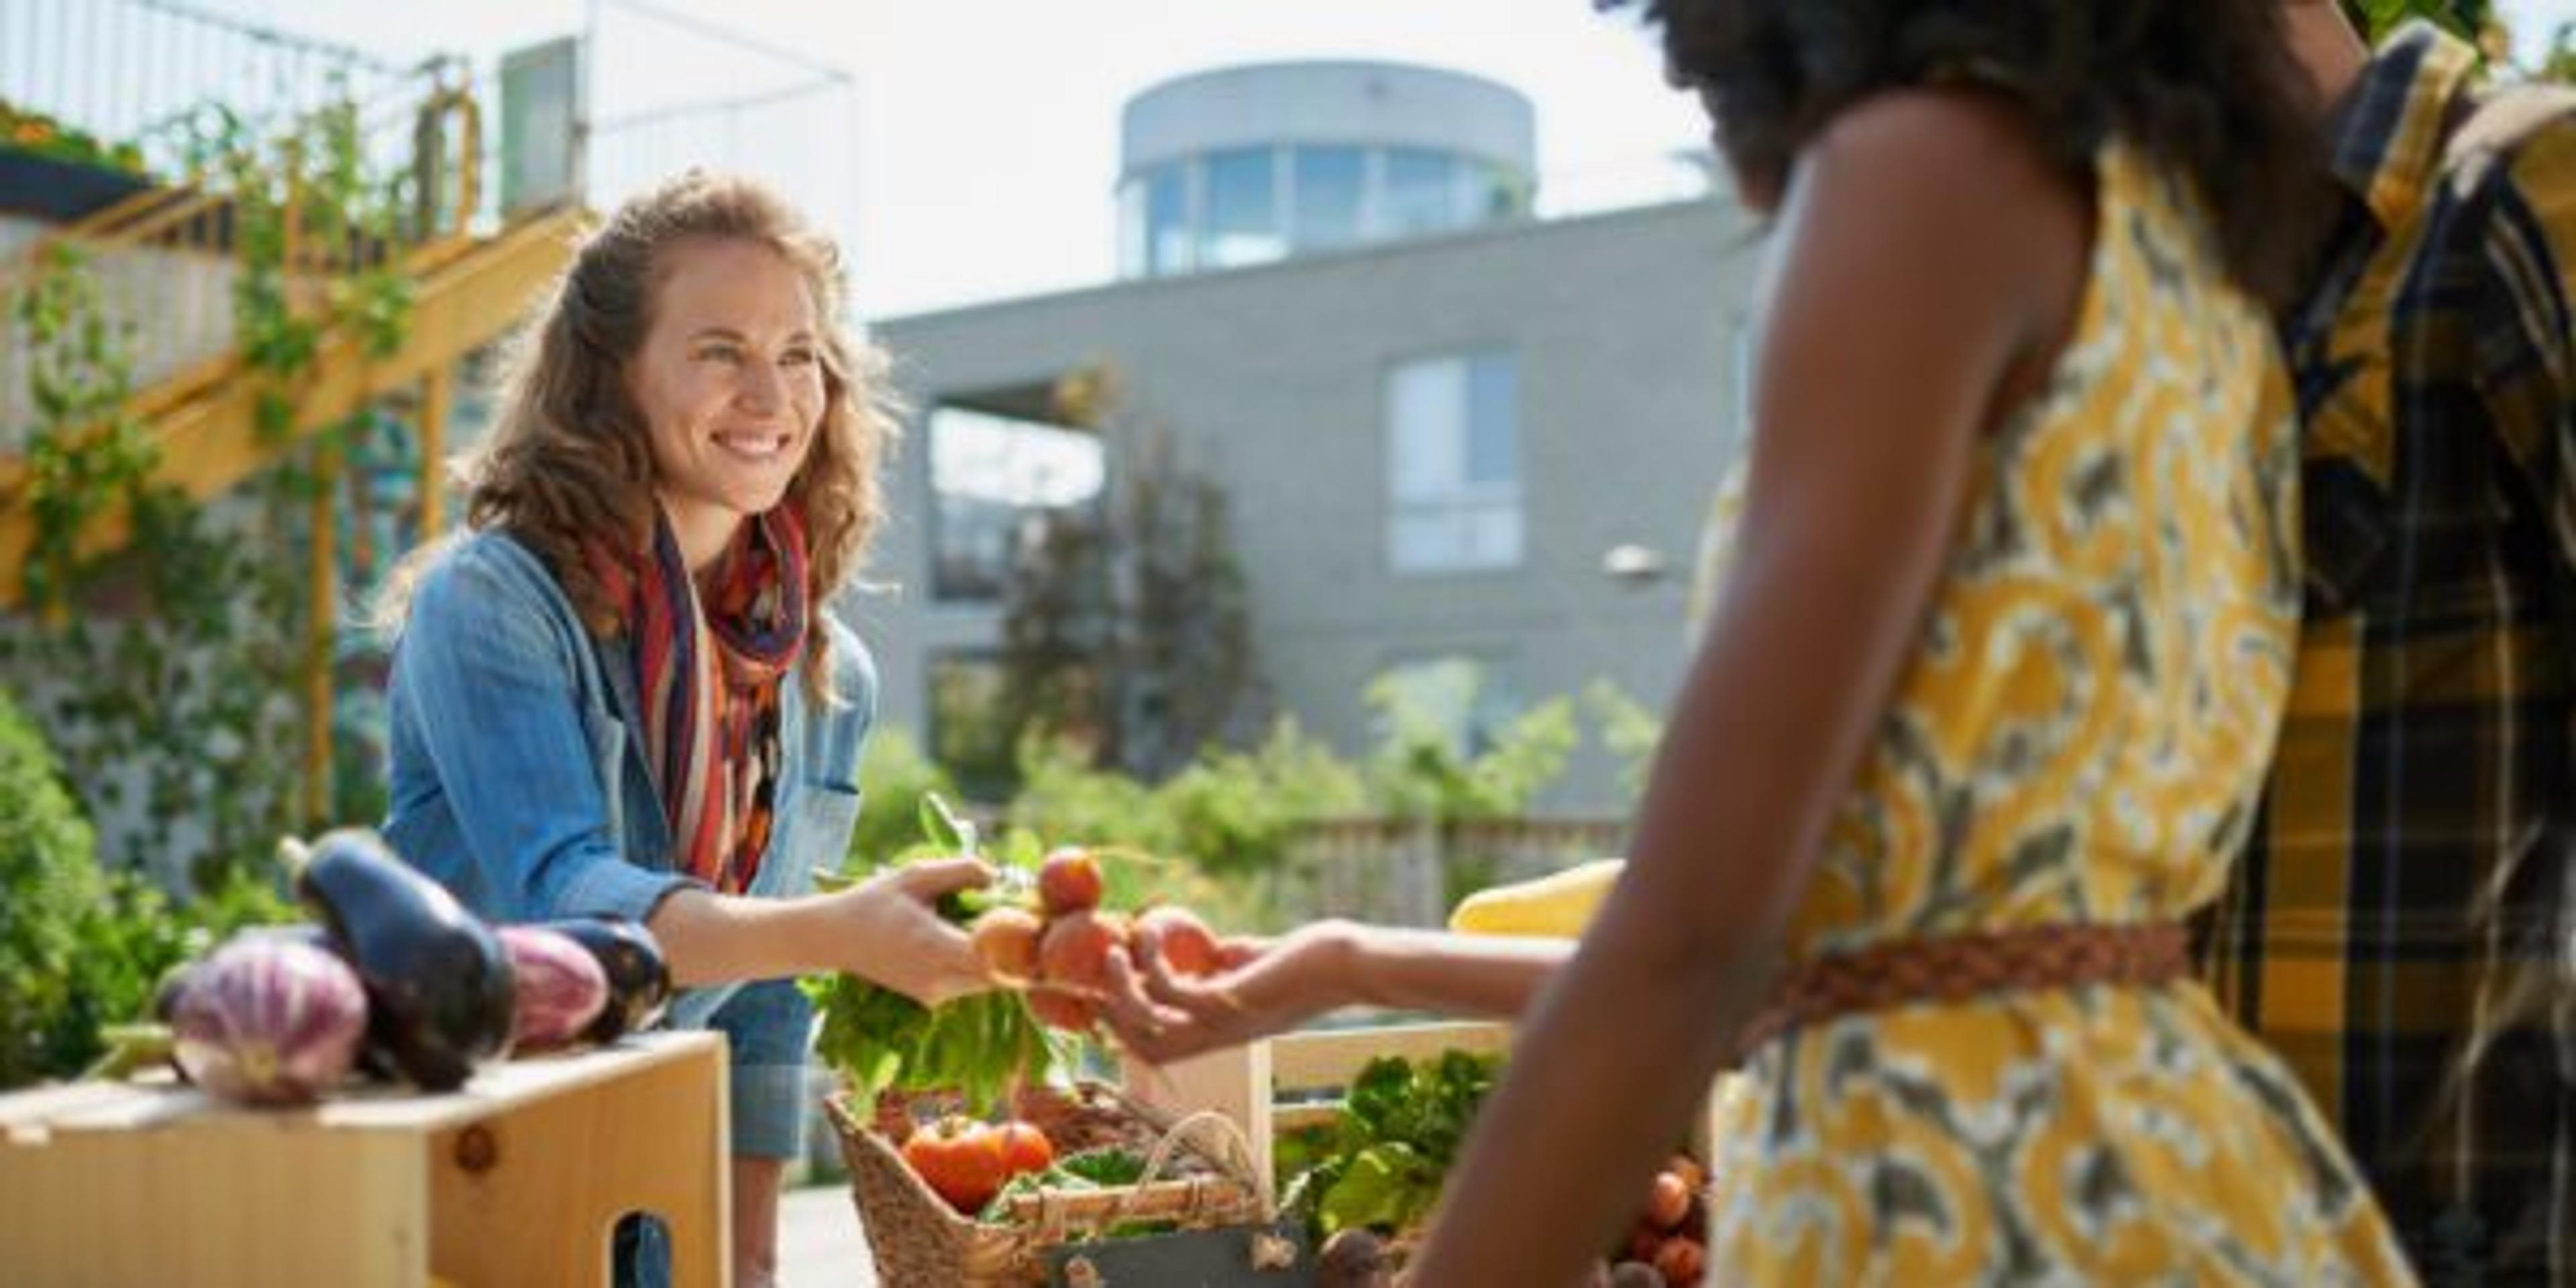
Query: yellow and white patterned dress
pixel 2080 737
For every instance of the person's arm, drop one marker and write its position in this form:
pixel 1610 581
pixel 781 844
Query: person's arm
pixel 1921 248
pixel 883 930
pixel 488 672
pixel 1271 987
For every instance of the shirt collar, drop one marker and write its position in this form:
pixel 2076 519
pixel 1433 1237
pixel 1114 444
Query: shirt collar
pixel 2386 136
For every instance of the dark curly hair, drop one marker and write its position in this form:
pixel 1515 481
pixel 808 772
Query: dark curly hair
pixel 2204 87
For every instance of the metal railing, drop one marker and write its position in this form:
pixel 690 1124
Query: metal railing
pixel 778 121
pixel 126 69
pixel 167 258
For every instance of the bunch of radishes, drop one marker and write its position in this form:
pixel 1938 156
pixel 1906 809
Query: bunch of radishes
pixel 1666 1241
pixel 1058 950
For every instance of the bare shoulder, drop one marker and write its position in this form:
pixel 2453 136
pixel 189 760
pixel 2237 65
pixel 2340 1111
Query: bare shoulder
pixel 1936 140
pixel 1957 174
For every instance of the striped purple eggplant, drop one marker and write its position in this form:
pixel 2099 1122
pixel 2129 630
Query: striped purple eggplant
pixel 561 987
pixel 269 1020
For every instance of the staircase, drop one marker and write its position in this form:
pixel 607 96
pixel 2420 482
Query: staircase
pixel 167 261
pixel 164 258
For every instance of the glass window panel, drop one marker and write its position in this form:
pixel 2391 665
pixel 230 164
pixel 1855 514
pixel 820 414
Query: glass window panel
pixel 1425 416
pixel 1493 421
pixel 1495 535
pixel 1421 541
pixel 1328 182
pixel 1242 209
pixel 1420 192
pixel 985 473
pixel 1453 464
pixel 1167 220
pixel 1133 256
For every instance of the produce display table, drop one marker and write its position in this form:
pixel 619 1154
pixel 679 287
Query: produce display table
pixel 515 1178
pixel 1291 1081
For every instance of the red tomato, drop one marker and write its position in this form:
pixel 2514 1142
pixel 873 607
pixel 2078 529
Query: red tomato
pixel 1024 1148
pixel 960 1159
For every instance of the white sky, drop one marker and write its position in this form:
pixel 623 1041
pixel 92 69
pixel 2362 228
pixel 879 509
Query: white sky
pixel 986 131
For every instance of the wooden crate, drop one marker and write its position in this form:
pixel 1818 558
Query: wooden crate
pixel 1291 1081
pixel 515 1178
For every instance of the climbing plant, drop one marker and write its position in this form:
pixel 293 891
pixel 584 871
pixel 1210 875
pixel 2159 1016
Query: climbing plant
pixel 166 671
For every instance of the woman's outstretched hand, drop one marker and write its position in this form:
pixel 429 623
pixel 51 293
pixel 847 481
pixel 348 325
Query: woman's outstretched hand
pixel 1261 987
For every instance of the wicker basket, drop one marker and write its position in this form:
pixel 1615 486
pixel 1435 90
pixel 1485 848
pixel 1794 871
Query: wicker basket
pixel 1198 1173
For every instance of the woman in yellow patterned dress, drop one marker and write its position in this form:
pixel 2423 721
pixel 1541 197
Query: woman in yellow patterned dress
pixel 1983 705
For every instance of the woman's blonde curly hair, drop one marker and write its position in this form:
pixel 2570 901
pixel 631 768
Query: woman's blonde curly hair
pixel 569 463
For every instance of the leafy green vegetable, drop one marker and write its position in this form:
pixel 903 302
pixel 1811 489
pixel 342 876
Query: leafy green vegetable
pixel 1401 1127
pixel 1092 1169
pixel 1390 1186
pixel 977 1046
pixel 1103 1167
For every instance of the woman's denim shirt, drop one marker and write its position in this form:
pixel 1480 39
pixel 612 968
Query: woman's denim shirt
pixel 519 782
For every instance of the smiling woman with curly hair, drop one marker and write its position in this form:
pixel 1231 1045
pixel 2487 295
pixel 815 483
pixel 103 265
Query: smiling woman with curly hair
pixel 622 693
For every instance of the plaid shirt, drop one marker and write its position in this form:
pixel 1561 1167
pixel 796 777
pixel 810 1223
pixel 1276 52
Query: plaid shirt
pixel 2399 929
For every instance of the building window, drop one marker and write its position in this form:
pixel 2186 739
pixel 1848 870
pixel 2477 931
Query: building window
pixel 1453 464
pixel 1422 193
pixel 1328 182
pixel 1167 221
pixel 988 474
pixel 1243 224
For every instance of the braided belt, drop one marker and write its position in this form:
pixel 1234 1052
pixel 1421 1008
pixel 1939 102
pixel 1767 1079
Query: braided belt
pixel 1962 968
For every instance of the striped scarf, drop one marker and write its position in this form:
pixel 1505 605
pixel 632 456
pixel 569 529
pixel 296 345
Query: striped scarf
pixel 708 673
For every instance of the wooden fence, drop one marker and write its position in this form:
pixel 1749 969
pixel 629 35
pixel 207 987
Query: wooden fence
pixel 1411 872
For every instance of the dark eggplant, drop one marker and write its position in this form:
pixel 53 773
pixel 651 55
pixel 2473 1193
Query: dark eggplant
pixel 440 997
pixel 639 982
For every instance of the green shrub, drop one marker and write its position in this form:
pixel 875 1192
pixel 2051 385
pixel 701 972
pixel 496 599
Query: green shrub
pixel 81 947
pixel 1427 763
pixel 55 896
pixel 1233 812
pixel 893 777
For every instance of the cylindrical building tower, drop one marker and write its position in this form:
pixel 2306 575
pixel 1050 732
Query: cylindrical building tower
pixel 1249 164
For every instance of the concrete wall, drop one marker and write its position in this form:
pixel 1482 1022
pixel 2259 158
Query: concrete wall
pixel 1625 328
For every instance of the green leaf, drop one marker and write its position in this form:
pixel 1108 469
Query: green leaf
pixel 941 825
pixel 1390 1186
